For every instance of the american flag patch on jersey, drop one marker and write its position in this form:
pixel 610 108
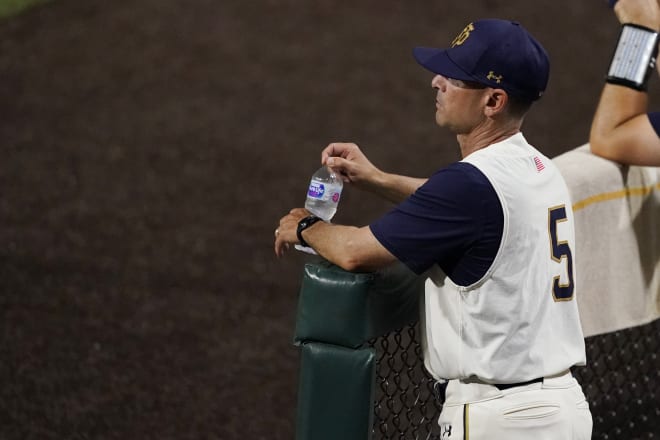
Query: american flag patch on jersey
pixel 539 164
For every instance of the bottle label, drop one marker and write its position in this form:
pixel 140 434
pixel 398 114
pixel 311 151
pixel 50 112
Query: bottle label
pixel 316 190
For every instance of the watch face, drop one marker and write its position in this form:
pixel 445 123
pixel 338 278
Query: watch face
pixel 307 222
pixel 304 222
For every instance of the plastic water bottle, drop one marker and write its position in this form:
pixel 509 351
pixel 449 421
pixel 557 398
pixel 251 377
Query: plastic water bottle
pixel 323 193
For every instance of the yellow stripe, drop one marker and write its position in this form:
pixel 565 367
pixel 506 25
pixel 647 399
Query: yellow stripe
pixel 604 197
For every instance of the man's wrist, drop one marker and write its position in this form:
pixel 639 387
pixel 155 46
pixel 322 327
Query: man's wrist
pixel 634 57
pixel 303 224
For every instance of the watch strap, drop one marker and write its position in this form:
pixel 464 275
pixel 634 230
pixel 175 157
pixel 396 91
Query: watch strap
pixel 304 224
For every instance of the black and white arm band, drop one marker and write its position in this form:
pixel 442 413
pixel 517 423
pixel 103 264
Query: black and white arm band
pixel 634 57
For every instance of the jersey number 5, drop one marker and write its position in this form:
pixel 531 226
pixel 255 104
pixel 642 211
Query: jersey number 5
pixel 560 250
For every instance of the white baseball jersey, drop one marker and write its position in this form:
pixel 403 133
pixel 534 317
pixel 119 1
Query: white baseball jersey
pixel 520 320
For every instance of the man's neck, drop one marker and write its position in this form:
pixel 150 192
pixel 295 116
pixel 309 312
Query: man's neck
pixel 482 137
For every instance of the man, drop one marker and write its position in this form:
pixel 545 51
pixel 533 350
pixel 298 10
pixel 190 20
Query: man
pixel 494 235
pixel 622 130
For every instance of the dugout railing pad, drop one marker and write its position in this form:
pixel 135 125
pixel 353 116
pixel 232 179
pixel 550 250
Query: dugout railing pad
pixel 338 312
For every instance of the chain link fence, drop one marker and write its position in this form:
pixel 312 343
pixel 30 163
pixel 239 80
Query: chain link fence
pixel 621 382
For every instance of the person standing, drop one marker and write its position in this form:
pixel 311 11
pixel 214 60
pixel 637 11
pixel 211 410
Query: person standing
pixel 622 129
pixel 494 236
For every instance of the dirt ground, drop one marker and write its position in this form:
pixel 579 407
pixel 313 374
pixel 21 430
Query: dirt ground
pixel 150 148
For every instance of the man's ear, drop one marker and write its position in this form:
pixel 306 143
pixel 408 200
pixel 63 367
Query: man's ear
pixel 496 101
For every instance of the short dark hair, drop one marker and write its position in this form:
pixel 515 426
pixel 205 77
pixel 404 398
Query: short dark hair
pixel 517 106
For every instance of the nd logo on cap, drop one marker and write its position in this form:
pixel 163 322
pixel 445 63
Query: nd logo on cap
pixel 465 33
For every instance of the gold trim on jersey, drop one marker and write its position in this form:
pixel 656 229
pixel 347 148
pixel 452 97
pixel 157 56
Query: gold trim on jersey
pixel 466 421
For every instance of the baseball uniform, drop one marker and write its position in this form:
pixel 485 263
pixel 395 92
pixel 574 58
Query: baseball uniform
pixel 494 234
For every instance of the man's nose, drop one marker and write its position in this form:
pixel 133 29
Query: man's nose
pixel 439 82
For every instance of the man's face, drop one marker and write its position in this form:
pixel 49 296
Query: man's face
pixel 459 104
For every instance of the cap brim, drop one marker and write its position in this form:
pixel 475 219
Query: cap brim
pixel 438 61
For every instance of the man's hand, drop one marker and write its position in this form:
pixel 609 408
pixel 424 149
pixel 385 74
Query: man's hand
pixel 285 234
pixel 350 162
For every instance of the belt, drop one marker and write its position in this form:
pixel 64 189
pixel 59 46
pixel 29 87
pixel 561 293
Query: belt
pixel 506 386
pixel 439 388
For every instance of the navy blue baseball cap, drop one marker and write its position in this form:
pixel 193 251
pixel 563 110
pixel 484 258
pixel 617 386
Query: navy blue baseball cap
pixel 495 53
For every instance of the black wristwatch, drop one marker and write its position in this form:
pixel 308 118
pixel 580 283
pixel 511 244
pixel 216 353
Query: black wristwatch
pixel 304 224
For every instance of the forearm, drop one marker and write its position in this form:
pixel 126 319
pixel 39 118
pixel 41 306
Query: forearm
pixel 349 247
pixel 617 105
pixel 394 187
pixel 621 130
pixel 348 160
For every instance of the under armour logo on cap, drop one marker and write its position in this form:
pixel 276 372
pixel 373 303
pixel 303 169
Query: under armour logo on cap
pixel 491 75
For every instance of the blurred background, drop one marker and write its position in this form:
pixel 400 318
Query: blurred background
pixel 149 149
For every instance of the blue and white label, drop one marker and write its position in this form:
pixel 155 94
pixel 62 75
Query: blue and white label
pixel 316 190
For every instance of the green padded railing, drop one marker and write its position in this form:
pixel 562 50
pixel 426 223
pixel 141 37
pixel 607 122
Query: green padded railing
pixel 338 312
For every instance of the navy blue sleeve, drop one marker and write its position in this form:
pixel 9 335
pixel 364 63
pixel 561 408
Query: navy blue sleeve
pixel 654 117
pixel 455 220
